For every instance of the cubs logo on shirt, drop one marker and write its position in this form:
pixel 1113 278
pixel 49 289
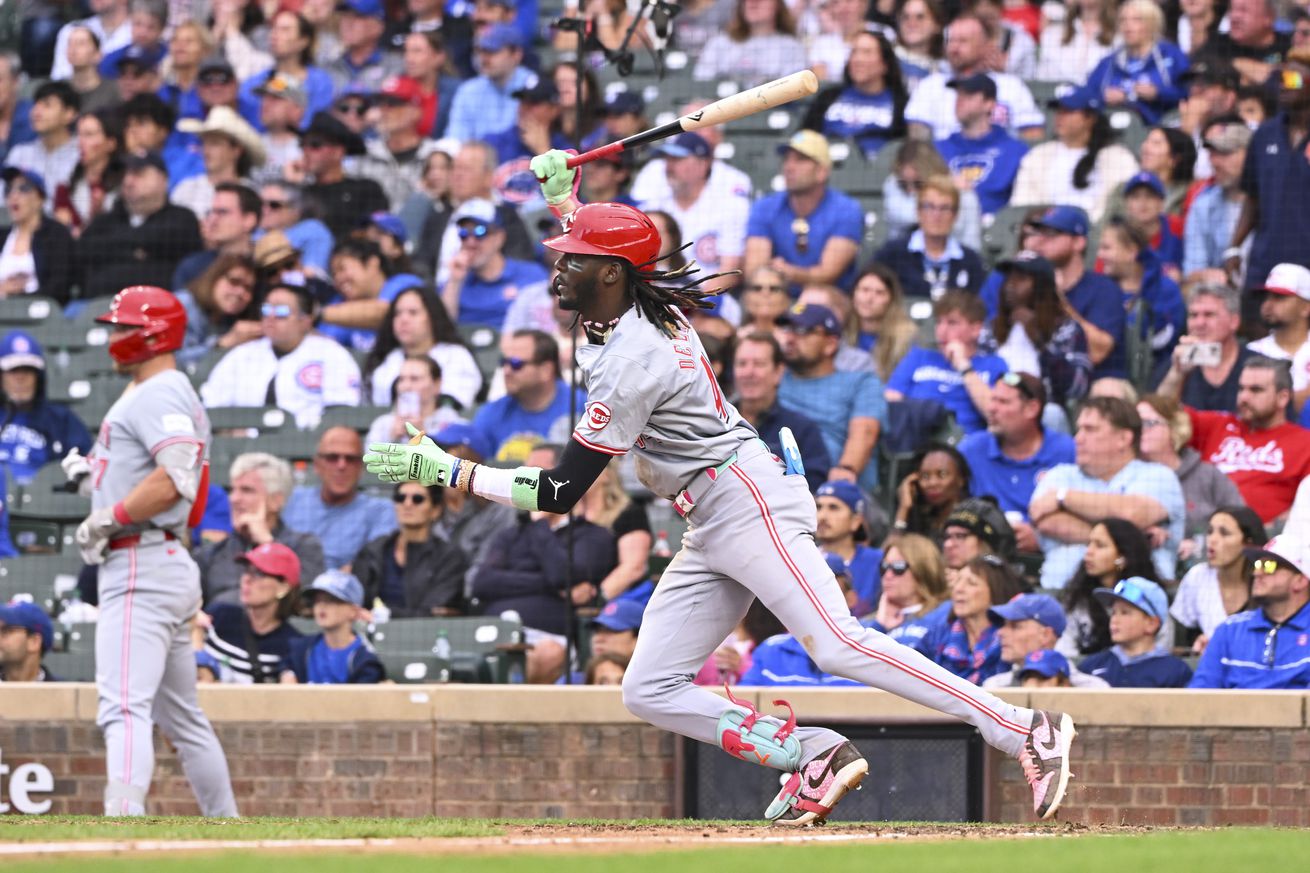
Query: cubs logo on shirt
pixel 310 376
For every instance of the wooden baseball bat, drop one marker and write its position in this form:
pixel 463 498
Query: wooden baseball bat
pixel 767 96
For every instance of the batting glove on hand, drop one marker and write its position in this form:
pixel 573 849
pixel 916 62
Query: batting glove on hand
pixel 421 460
pixel 75 465
pixel 94 533
pixel 558 182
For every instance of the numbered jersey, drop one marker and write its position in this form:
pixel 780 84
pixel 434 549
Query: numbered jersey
pixel 160 412
pixel 658 397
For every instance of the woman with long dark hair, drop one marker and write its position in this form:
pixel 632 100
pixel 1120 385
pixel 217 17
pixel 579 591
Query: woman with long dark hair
pixel 879 323
pixel 926 497
pixel 1221 586
pixel 1116 549
pixel 1071 47
pixel 565 77
pixel 417 324
pixel 291 45
pixel 869 104
pixel 1083 138
pixel 221 308
pixel 93 187
pixel 1034 334
pixel 1171 155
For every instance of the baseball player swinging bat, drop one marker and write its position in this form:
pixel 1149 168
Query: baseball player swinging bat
pixel 770 95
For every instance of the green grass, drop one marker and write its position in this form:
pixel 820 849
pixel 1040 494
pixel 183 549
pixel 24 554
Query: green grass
pixel 1152 852
pixel 43 828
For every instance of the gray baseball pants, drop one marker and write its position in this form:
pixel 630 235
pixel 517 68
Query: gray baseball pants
pixel 146 675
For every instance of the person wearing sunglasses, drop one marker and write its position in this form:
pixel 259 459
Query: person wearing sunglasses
pixel 764 298
pixel 1269 646
pixel 221 308
pixel 340 200
pixel 536 401
pixel 284 212
pixel 482 281
pixel 36 252
pixel 1138 609
pixel 913 601
pixel 290 367
pixel 652 392
pixel 411 571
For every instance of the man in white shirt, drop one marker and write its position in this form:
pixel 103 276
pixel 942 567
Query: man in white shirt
pixel 53 154
pixel 1285 310
pixel 725 181
pixel 716 227
pixel 309 372
pixel 931 110
pixel 110 24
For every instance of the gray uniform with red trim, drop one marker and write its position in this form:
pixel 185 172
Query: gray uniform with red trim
pixel 750 535
pixel 149 591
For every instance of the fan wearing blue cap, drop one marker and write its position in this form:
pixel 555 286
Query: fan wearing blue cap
pixel 1027 624
pixel 1138 609
pixel 1145 206
pixel 362 62
pixel 483 105
pixel 25 635
pixel 535 130
pixel 1045 668
pixel 336 655
pixel 1082 165
pixel 37 431
pixel 841 532
pixel 983 154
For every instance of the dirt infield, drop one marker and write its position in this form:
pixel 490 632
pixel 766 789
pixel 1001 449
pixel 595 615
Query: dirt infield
pixel 564 838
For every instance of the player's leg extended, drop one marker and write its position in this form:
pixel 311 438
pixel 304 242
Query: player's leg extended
pixel 788 574
pixel 690 614
pixel 182 721
pixel 132 644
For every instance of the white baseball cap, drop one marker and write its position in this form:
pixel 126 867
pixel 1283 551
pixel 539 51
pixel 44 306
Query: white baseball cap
pixel 1287 549
pixel 1290 280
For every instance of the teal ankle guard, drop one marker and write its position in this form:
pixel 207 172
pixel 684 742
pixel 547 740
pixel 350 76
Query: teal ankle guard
pixel 741 736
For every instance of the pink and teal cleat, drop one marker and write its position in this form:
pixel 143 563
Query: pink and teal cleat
pixel 810 794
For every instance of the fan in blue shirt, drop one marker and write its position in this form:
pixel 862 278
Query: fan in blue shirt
pixel 957 376
pixel 538 109
pixel 483 282
pixel 1267 647
pixel 1137 609
pixel 808 220
pixel 982 155
pixel 535 407
pixel 337 655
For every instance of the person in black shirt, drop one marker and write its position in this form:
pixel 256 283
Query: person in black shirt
pixel 340 201
pixel 413 572
pixel 248 643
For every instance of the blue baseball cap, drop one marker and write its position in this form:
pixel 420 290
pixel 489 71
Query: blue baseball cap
pixel 836 563
pixel 687 145
pixel 624 103
pixel 343 586
pixel 978 83
pixel 847 492
pixel 1144 594
pixel 1084 99
pixel 500 36
pixel 460 433
pixel 30 617
pixel 1045 662
pixel 1145 179
pixel 1041 608
pixel 1065 219
pixel 807 316
pixel 388 223
pixel 620 615
pixel 19 349
pixel 366 8
pixel 142 56
pixel 37 181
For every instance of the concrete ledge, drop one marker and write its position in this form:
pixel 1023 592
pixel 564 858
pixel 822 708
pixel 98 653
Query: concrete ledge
pixel 499 704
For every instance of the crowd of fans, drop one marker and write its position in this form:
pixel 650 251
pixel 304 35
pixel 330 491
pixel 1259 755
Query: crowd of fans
pixel 1100 439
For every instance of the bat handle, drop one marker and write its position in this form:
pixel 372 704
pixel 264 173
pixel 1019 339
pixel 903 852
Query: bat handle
pixel 595 154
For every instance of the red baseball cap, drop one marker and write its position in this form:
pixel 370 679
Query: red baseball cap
pixel 274 559
pixel 402 89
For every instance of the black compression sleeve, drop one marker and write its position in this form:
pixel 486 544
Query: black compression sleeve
pixel 564 484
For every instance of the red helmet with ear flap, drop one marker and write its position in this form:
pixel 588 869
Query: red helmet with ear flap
pixel 159 319
pixel 610 229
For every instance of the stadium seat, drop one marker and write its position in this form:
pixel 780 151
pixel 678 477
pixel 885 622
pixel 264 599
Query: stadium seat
pixel 260 420
pixel 45 578
pixel 33 537
pixel 26 310
pixel 481 649
pixel 74 656
pixel 357 418
pixel 1000 238
pixel 410 669
pixel 46 499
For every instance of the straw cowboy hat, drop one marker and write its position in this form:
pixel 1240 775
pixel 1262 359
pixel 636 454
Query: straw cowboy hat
pixel 225 120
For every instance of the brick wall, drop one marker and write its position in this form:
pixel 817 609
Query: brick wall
pixel 1142 758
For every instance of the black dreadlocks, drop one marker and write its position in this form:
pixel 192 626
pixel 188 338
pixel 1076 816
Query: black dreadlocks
pixel 654 301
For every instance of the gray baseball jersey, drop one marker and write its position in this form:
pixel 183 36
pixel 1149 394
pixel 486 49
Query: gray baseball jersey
pixel 657 397
pixel 751 535
pixel 161 412
pixel 149 592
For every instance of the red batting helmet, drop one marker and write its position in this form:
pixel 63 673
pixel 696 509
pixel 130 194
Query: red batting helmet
pixel 159 317
pixel 610 229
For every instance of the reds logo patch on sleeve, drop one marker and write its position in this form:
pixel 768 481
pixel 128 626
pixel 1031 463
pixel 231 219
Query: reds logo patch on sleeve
pixel 598 415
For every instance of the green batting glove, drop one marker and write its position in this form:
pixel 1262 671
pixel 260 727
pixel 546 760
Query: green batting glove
pixel 558 182
pixel 421 460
